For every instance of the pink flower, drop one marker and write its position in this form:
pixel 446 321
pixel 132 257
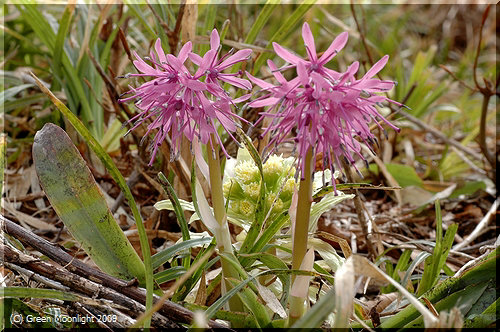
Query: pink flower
pixel 179 103
pixel 324 109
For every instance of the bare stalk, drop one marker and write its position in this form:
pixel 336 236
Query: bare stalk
pixel 222 235
pixel 300 234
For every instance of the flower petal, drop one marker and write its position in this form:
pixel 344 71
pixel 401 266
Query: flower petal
pixel 236 81
pixel 242 98
pixel 143 67
pixel 277 74
pixel 308 38
pixel 302 72
pixel 263 84
pixel 286 55
pixel 214 40
pixel 195 58
pixel 264 102
pixel 160 52
pixel 376 68
pixel 241 55
pixel 184 52
pixel 334 47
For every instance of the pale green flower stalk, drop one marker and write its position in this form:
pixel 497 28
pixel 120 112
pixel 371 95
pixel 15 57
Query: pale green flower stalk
pixel 300 234
pixel 222 234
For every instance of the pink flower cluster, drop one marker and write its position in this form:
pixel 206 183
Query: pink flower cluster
pixel 326 108
pixel 320 109
pixel 181 103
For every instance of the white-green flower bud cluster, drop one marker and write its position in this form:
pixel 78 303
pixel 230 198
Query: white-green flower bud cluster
pixel 243 189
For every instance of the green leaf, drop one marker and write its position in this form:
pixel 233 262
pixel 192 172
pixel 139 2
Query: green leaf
pixel 170 274
pixel 11 92
pixel 468 189
pixel 181 219
pixel 486 319
pixel 61 36
pixel 483 270
pixel 111 139
pixel 250 300
pixel 74 195
pixel 38 293
pixel 463 299
pixel 118 177
pixel 435 263
pixel 404 175
pixel 165 255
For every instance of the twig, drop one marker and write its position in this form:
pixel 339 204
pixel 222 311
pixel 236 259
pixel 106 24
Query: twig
pixel 440 135
pixel 446 69
pixel 477 231
pixel 359 210
pixel 131 182
pixel 478 50
pixel 169 309
pixel 173 36
pixel 77 283
pixel 361 34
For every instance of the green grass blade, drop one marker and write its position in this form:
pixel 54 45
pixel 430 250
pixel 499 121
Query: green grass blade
pixel 117 176
pixel 74 195
pixel 163 256
pixel 435 263
pixel 463 299
pixel 284 29
pixel 208 25
pixel 170 274
pixel 486 319
pixel 60 38
pixel 137 12
pixel 11 92
pixel 250 300
pixel 483 271
pixel 38 293
pixel 179 212
pixel 74 87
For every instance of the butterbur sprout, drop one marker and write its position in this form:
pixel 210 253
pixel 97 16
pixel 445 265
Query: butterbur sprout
pixel 328 109
pixel 179 103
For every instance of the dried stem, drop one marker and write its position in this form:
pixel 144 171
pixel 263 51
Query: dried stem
pixel 169 309
pixel 358 204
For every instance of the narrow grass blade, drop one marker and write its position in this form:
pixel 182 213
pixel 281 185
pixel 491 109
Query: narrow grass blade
pixel 283 30
pixel 39 293
pixel 61 36
pixel 435 262
pixel 484 270
pixel 179 212
pixel 169 274
pixel 164 256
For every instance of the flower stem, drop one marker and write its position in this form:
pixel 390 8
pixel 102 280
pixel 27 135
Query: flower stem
pixel 300 234
pixel 222 235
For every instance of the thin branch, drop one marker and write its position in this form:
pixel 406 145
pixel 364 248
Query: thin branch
pixel 169 309
pixel 446 69
pixel 77 283
pixel 474 71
